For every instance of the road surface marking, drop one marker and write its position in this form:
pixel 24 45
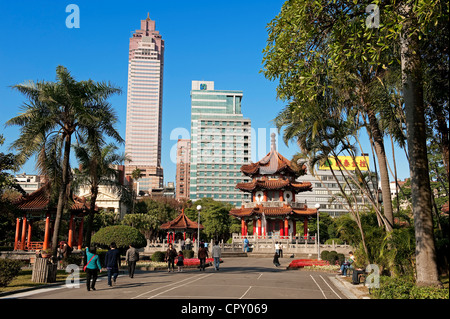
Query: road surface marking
pixel 319 287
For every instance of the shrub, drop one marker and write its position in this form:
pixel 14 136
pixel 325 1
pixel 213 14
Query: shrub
pixel 9 269
pixel 158 256
pixel 324 255
pixel 401 288
pixel 332 257
pixel 122 235
pixel 188 253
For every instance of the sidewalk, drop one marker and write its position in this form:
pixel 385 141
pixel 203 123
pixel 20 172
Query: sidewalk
pixel 350 290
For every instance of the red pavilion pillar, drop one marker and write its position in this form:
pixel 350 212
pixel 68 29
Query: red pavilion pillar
pixel 242 227
pixel 286 227
pixel 281 195
pixel 70 243
pixel 46 233
pixel 30 228
pixel 305 227
pixel 16 240
pixel 24 231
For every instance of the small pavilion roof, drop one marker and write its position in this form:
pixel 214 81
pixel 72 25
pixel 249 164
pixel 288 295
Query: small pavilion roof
pixel 181 222
pixel 274 185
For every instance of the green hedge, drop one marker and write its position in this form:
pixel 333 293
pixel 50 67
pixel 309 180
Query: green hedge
pixel 122 235
pixel 324 255
pixel 400 288
pixel 332 257
pixel 158 256
pixel 9 269
pixel 188 253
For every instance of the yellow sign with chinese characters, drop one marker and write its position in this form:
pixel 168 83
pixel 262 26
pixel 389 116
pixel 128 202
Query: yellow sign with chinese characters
pixel 346 163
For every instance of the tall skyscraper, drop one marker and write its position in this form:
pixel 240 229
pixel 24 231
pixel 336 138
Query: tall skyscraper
pixel 183 169
pixel 144 105
pixel 220 143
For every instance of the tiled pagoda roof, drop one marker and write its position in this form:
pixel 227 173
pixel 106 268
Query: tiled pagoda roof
pixel 274 185
pixel 39 200
pixel 272 163
pixel 181 222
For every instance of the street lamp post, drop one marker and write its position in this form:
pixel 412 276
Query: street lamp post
pixel 318 231
pixel 199 208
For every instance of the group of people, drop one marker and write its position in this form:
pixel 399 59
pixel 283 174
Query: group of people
pixel 202 254
pixel 112 263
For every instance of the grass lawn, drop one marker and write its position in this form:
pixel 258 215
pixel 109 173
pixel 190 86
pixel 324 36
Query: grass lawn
pixel 23 281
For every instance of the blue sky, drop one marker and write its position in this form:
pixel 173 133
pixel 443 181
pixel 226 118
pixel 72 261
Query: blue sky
pixel 219 41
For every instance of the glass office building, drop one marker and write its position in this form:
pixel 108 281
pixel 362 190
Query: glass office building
pixel 220 143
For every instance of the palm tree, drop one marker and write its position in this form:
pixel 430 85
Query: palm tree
pixel 53 114
pixel 97 168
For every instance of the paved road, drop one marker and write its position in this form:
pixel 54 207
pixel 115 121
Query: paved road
pixel 238 279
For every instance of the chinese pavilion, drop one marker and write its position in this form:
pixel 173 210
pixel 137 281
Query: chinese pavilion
pixel 181 224
pixel 273 210
pixel 37 206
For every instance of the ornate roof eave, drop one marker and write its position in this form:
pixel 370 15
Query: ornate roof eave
pixel 274 185
pixel 39 201
pixel 272 212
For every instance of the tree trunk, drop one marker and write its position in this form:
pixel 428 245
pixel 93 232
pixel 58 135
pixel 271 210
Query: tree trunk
pixel 62 198
pixel 384 174
pixel 426 265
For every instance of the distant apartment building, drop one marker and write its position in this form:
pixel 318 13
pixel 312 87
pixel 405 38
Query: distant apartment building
pixel 325 188
pixel 29 183
pixel 108 198
pixel 183 169
pixel 220 143
pixel 144 105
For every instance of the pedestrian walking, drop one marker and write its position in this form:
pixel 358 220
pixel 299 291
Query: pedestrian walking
pixel 92 268
pixel 246 244
pixel 180 261
pixel 202 255
pixel 112 263
pixel 216 254
pixel 171 253
pixel 280 252
pixel 275 260
pixel 277 248
pixel 131 256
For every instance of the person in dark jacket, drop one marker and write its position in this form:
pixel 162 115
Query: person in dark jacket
pixel 112 263
pixel 202 255
pixel 171 253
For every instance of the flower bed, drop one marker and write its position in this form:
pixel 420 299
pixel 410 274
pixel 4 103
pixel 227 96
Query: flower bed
pixel 300 263
pixel 196 262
